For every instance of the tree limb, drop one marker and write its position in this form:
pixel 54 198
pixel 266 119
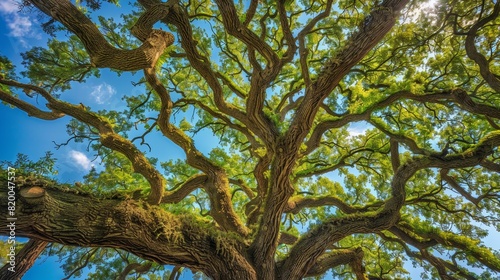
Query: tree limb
pixel 315 242
pixel 24 259
pixel 217 183
pixel 47 213
pixel 296 204
pixel 191 184
pixel 440 264
pixel 472 52
pixel 456 95
pixel 381 20
pixel 108 137
pixel 452 183
pixel 102 54
pixel 139 268
pixel 28 108
pixel 339 257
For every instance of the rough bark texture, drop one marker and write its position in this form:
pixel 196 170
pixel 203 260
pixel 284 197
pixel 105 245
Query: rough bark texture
pixel 144 230
pixel 56 215
pixel 101 53
pixel 227 246
pixel 25 259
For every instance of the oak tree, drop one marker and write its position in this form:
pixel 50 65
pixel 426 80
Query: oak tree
pixel 354 138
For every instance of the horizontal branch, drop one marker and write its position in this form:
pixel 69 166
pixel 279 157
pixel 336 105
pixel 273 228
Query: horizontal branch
pixel 28 108
pixel 51 213
pixel 191 184
pixel 452 183
pixel 296 204
pixel 440 264
pixel 458 96
pixel 466 244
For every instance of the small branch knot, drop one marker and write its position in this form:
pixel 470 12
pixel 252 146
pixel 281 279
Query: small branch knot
pixel 32 192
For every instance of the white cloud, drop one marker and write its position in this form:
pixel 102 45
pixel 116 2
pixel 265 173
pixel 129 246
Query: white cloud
pixel 20 26
pixel 102 93
pixel 80 159
pixel 8 6
pixel 357 129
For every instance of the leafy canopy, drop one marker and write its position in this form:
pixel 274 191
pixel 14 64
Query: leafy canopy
pixel 354 135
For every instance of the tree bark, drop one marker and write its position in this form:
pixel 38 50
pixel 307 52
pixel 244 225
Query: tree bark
pixel 26 258
pixel 102 54
pixel 49 213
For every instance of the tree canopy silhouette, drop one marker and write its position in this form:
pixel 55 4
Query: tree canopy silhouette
pixel 354 139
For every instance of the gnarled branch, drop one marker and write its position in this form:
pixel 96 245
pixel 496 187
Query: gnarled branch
pixel 52 214
pixel 472 52
pixel 102 54
pixel 108 137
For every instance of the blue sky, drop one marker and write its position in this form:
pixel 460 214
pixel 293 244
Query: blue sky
pixel 31 136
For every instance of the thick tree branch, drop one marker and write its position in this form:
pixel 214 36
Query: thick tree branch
pixel 440 264
pixel 191 184
pixel 378 23
pixel 102 54
pixel 296 204
pixel 395 160
pixel 244 187
pixel 458 96
pixel 176 273
pixel 452 183
pixel 28 108
pixel 339 257
pixel 306 251
pixel 24 259
pixel 50 214
pixel 286 238
pixel 465 244
pixel 108 137
pixel 490 165
pixel 472 52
